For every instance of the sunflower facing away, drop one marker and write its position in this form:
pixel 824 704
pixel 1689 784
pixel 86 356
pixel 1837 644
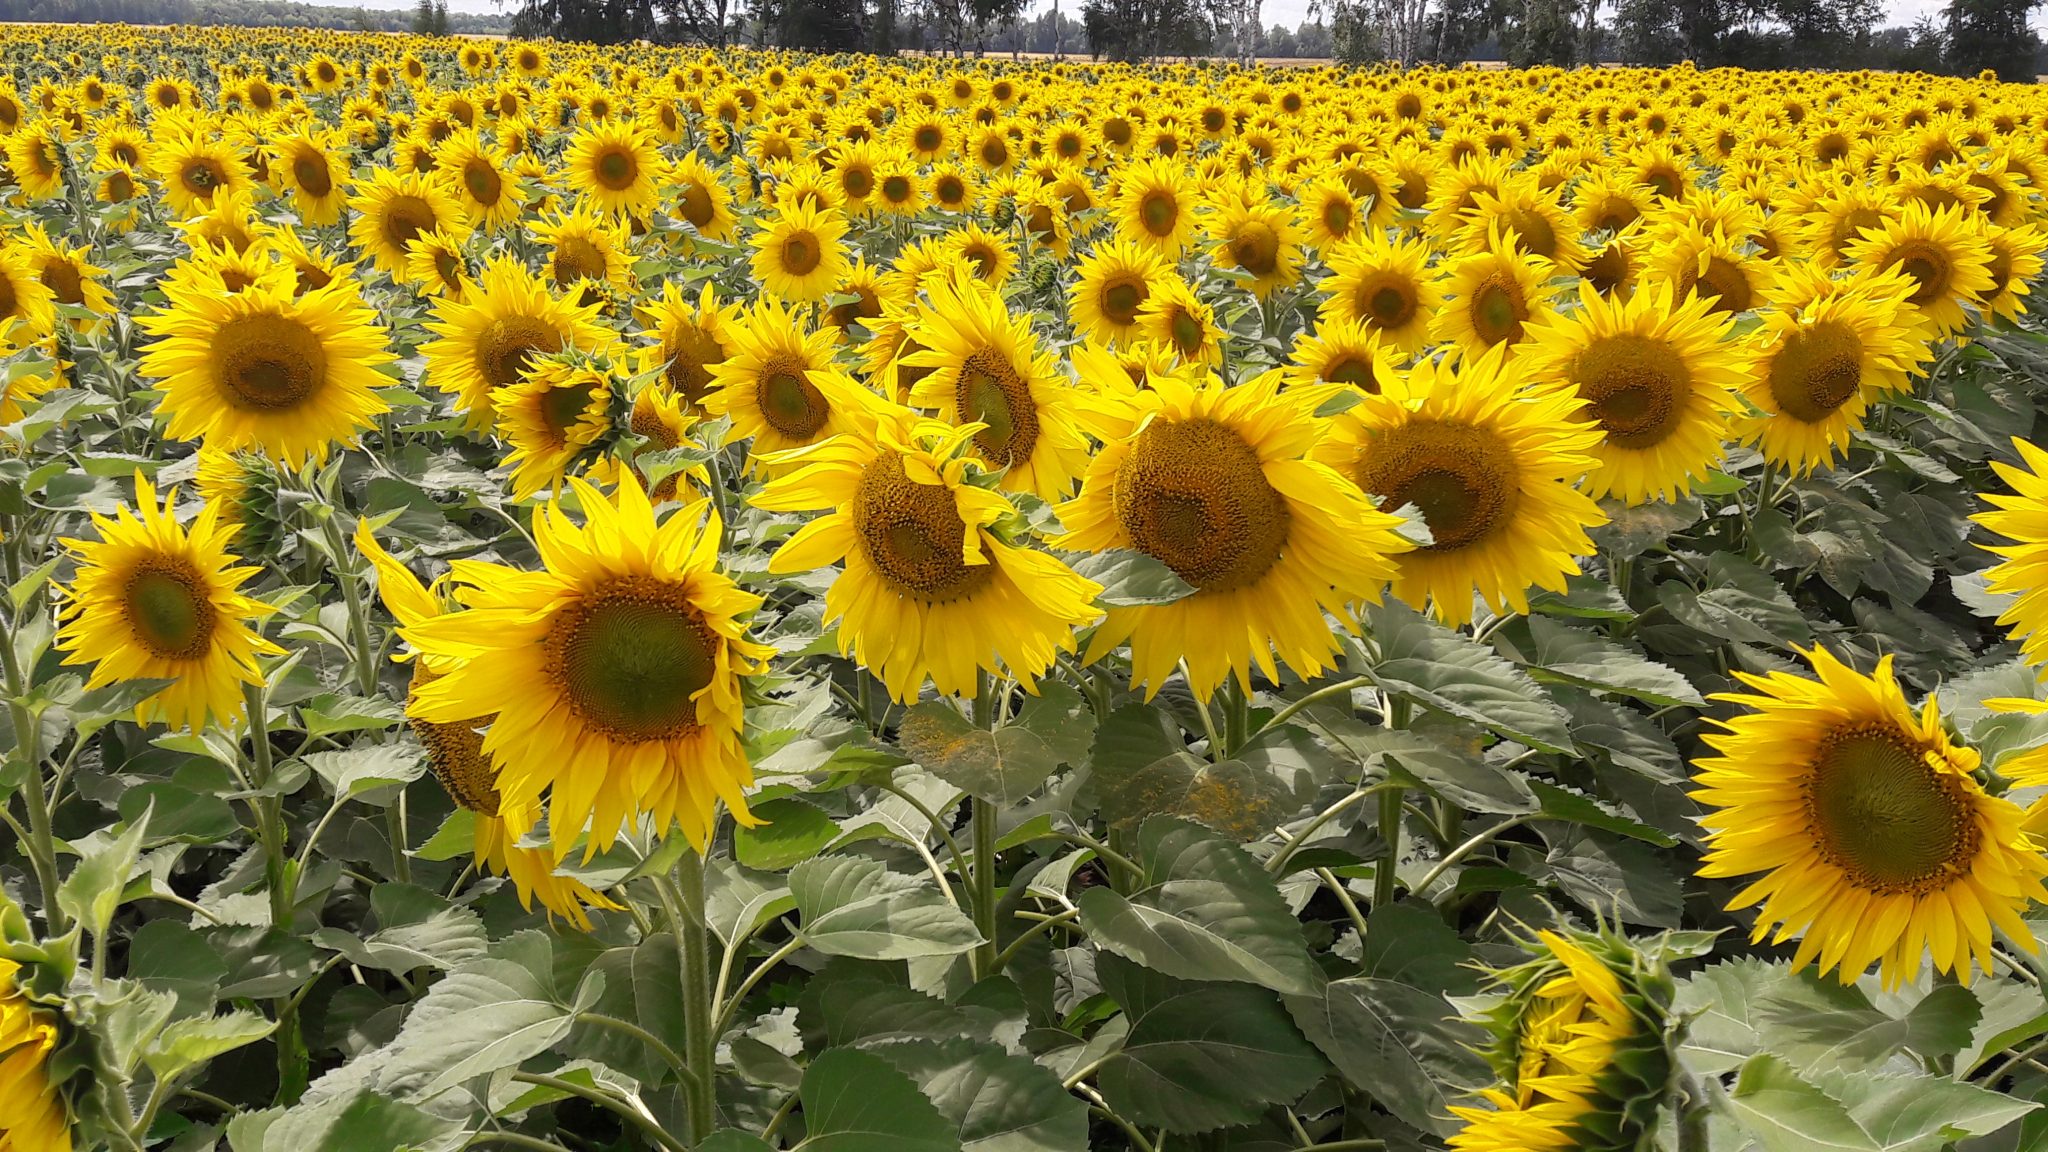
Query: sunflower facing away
pixel 1654 375
pixel 1875 840
pixel 1214 483
pixel 156 600
pixel 32 1115
pixel 456 757
pixel 489 337
pixel 1490 465
pixel 986 368
pixel 615 673
pixel 928 590
pixel 286 375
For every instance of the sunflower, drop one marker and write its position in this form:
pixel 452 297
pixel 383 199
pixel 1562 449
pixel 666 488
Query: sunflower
pixel 618 165
pixel 689 340
pixel 1344 352
pixel 662 420
pixel 437 263
pixel 70 275
pixel 491 197
pixel 2021 516
pixel 1111 285
pixel 393 209
pixel 981 253
pixel 1257 237
pixel 585 245
pixel 556 411
pixel 262 369
pixel 1654 376
pixel 1815 367
pixel 21 384
pixel 1579 1047
pixel 2016 261
pixel 1386 284
pixel 488 338
pixel 986 368
pixel 312 166
pixel 615 675
pixel 1489 464
pixel 1945 254
pixel 799 256
pixel 456 757
pixel 1495 297
pixel 1172 316
pixel 1155 206
pixel 1876 841
pixel 780 387
pixel 157 600
pixel 1712 265
pixel 194 168
pixel 1334 214
pixel 27 305
pixel 1214 483
pixel 929 591
pixel 34 1112
pixel 36 159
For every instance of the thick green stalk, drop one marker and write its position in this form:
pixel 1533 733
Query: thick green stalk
pixel 700 1036
pixel 983 815
pixel 1385 877
pixel 28 736
pixel 294 1062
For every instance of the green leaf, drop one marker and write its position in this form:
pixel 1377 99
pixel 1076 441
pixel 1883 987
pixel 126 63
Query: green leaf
pixel 1406 1047
pixel 1232 797
pixel 1205 910
pixel 999 1101
pixel 352 772
pixel 1009 764
pixel 1786 1114
pixel 193 1041
pixel 360 1121
pixel 856 1101
pixel 1724 1003
pixel 1820 1023
pixel 1440 669
pixel 93 890
pixel 330 714
pixel 1200 1056
pixel 1838 1111
pixel 1409 943
pixel 739 900
pixel 1569 655
pixel 1618 879
pixel 1130 578
pixel 854 906
pixel 792 831
pixel 1449 767
pixel 455 837
pixel 1565 804
pixel 488 1015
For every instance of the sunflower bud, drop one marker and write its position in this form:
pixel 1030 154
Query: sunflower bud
pixel 1003 212
pixel 243 487
pixel 1582 1038
pixel 1045 276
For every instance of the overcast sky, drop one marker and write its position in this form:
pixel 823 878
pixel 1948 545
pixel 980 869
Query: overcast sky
pixel 1288 12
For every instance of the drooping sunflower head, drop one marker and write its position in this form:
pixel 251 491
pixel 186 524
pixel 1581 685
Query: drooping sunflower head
pixel 287 376
pixel 1875 841
pixel 487 339
pixel 438 264
pixel 1489 464
pixel 28 307
pixel 2023 571
pixel 554 415
pixel 156 599
pixel 2016 261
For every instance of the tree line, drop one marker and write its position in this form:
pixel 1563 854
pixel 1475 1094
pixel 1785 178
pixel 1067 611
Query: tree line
pixel 244 14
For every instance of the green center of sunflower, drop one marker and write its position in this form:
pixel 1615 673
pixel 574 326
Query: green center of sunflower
pixel 202 176
pixel 1256 248
pixel 1634 387
pixel 1816 371
pixel 1185 329
pixel 1121 298
pixel 1159 212
pixel 896 189
pixel 1192 494
pixel 630 655
pixel 1497 309
pixel 405 217
pixel 1929 267
pixel 691 352
pixel 800 255
pixel 312 177
pixel 1462 479
pixel 1389 304
pixel 1337 218
pixel 616 170
pixel 913 535
pixel 562 408
pixel 789 402
pixel 577 259
pixel 1881 813
pixel 168 609
pixel 268 363
pixel 1356 371
pixel 508 345
pixel 485 186
pixel 992 393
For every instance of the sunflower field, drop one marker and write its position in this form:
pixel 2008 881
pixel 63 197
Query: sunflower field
pixel 643 598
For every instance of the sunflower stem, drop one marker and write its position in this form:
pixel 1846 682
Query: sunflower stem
pixel 1385 877
pixel 987 957
pixel 28 733
pixel 700 1039
pixel 1236 715
pixel 352 597
pixel 294 1062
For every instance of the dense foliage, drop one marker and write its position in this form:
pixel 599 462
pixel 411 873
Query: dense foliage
pixel 630 598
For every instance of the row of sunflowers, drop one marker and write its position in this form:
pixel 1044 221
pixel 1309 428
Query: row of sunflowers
pixel 964 604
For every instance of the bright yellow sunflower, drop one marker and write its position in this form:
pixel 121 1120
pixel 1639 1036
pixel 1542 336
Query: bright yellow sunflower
pixel 985 367
pixel 1255 236
pixel 157 600
pixel 490 195
pixel 614 674
pixel 312 165
pixel 194 168
pixel 701 198
pixel 1654 375
pixel 1874 837
pixel 392 209
pixel 455 755
pixel 2021 516
pixel 1110 285
pixel 1943 251
pixel 618 164
pixel 688 339
pixel 1490 464
pixel 799 256
pixel 288 376
pixel 1172 316
pixel 584 244
pixel 1387 284
pixel 1346 352
pixel 2016 261
pixel 1816 367
pixel 27 306
pixel 929 590
pixel 780 386
pixel 32 1114
pixel 1155 206
pixel 486 340
pixel 1495 298
pixel 1216 483
pixel 556 411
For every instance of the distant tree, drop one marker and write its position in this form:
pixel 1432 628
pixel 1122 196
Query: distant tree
pixel 423 18
pixel 1539 32
pixel 1141 29
pixel 1992 35
pixel 590 21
